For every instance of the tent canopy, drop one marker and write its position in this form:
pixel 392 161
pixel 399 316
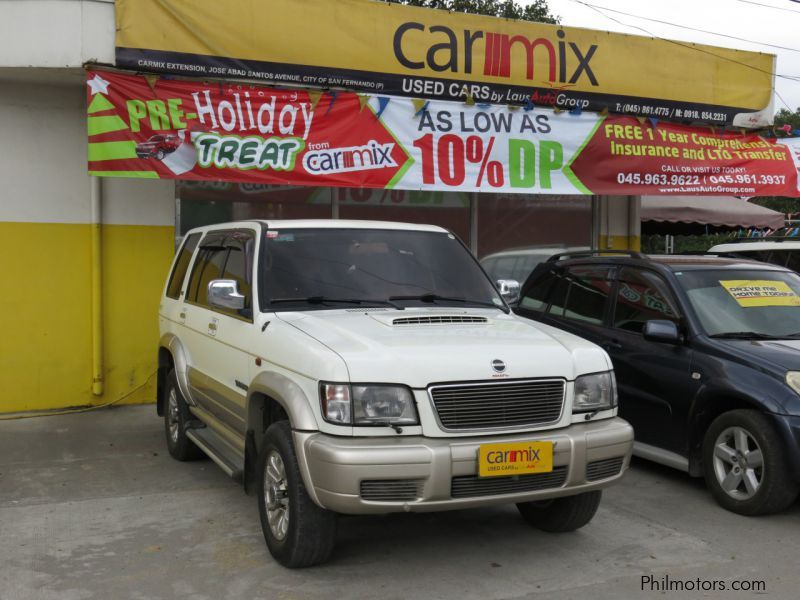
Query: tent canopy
pixel 727 212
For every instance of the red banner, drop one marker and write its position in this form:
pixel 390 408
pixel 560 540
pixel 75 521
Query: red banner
pixel 164 128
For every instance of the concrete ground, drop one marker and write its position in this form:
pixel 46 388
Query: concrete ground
pixel 92 506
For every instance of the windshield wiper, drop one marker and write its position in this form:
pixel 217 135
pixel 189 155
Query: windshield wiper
pixel 746 335
pixel 431 297
pixel 327 300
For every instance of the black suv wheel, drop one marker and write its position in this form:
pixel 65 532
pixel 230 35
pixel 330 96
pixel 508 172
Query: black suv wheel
pixel 745 466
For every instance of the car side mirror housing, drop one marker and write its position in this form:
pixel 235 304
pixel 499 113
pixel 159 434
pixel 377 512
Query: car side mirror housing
pixel 224 293
pixel 657 330
pixel 509 289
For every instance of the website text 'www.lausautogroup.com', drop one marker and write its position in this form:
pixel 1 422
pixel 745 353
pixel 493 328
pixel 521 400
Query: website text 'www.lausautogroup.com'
pixel 666 583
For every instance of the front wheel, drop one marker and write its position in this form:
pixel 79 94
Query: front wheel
pixel 745 465
pixel 561 514
pixel 297 531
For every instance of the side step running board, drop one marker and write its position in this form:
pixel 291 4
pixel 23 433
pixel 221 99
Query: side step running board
pixel 218 450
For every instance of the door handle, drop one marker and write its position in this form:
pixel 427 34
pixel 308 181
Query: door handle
pixel 612 345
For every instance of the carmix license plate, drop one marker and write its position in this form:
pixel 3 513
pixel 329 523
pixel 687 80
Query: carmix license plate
pixel 515 458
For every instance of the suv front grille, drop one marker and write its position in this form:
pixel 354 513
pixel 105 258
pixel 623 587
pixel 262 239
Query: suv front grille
pixel 601 469
pixel 470 486
pixel 391 490
pixel 498 404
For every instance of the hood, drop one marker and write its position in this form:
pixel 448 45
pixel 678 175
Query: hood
pixel 774 355
pixel 421 346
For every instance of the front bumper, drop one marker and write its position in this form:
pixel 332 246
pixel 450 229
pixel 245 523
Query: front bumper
pixel 417 474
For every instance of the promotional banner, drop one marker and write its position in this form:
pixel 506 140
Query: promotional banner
pixel 142 126
pixel 377 47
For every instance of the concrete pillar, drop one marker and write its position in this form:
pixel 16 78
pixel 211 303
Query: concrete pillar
pixel 618 222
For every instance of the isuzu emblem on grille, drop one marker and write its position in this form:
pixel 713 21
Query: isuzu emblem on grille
pixel 498 365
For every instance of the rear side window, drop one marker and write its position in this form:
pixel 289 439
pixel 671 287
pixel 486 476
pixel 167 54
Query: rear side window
pixel 181 266
pixel 642 296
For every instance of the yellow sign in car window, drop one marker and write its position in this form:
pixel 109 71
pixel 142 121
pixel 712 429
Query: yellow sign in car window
pixel 761 292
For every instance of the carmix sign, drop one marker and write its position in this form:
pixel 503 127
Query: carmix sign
pixel 382 48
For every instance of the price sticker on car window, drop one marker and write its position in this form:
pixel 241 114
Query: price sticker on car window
pixel 761 292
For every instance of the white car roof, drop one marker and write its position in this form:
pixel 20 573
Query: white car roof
pixel 324 224
pixel 754 246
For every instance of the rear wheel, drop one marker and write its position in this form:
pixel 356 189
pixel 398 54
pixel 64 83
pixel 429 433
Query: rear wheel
pixel 297 531
pixel 176 415
pixel 744 464
pixel 561 514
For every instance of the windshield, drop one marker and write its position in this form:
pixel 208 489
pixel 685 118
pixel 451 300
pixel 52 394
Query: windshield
pixel 746 303
pixel 334 268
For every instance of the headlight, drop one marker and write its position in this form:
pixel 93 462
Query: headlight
pixel 595 392
pixel 793 379
pixel 371 404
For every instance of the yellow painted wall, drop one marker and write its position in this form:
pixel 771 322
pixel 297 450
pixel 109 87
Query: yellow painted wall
pixel 45 339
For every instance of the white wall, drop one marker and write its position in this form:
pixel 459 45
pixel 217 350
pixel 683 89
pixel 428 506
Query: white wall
pixel 56 33
pixel 44 166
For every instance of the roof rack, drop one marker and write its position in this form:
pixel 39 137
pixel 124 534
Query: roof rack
pixel 582 253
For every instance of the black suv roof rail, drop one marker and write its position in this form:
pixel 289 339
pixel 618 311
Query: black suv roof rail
pixel 581 253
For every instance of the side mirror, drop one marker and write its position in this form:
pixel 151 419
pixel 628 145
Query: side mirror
pixel 224 293
pixel 658 330
pixel 509 289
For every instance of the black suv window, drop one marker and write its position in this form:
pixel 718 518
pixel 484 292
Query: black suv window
pixel 641 296
pixel 181 266
pixel 535 297
pixel 582 294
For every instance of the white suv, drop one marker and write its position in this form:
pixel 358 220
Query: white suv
pixel 364 367
pixel 782 252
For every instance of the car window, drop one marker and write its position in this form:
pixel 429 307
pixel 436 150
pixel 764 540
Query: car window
pixel 793 260
pixel 239 267
pixel 504 269
pixel 207 267
pixel 581 293
pixel 588 293
pixel 642 296
pixel 181 266
pixel 559 297
pixel 535 297
pixel 737 302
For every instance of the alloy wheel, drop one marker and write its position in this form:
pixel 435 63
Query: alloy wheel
pixel 173 417
pixel 276 495
pixel 738 463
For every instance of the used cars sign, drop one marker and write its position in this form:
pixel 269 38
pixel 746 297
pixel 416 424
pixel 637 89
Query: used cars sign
pixel 399 50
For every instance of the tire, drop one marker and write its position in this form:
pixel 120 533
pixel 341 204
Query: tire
pixel 176 415
pixel 160 155
pixel 741 480
pixel 307 534
pixel 561 514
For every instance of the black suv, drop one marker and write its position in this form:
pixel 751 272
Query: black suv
pixel 706 352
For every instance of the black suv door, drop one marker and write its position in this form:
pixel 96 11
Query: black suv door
pixel 653 378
